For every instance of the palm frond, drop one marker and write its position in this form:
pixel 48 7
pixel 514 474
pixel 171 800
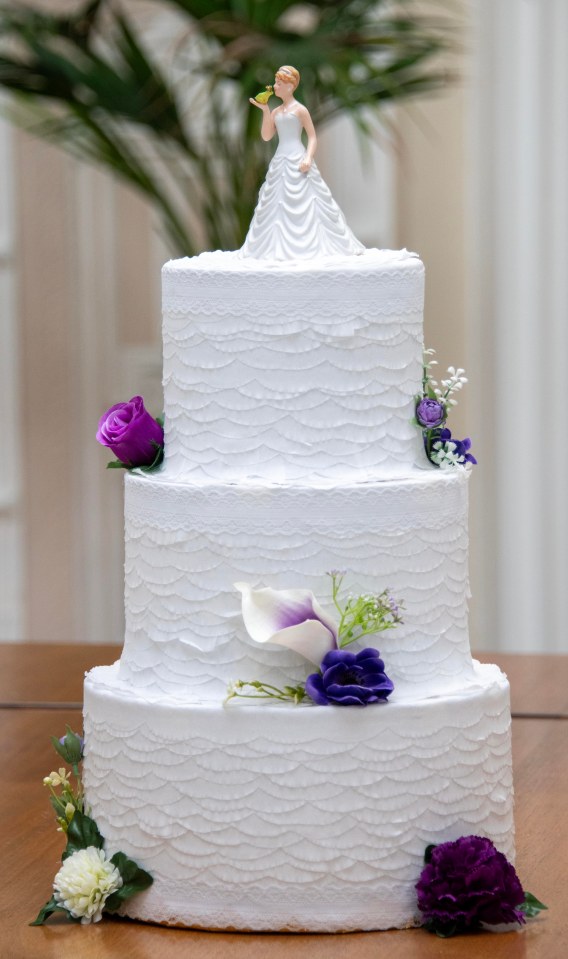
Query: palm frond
pixel 88 82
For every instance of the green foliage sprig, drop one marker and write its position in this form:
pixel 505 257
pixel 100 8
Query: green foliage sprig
pixel 82 831
pixel 363 615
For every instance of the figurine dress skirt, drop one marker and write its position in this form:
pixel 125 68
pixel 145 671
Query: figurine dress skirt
pixel 296 216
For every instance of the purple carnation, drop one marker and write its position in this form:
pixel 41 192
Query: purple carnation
pixel 131 433
pixel 349 679
pixel 430 413
pixel 466 883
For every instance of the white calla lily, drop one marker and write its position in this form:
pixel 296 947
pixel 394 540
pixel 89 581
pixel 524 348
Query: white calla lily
pixel 288 617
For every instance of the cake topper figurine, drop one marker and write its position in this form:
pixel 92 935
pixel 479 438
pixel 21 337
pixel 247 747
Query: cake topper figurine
pixel 296 216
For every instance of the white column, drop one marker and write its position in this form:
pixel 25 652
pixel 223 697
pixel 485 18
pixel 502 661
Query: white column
pixel 11 599
pixel 518 323
pixel 109 369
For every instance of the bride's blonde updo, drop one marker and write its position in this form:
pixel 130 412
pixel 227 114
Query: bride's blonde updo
pixel 288 75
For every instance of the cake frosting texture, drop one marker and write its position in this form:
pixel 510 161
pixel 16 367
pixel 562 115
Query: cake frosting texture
pixel 187 545
pixel 277 818
pixel 289 374
pixel 290 450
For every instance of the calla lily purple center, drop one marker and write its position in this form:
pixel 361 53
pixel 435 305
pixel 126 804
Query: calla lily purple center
pixel 288 617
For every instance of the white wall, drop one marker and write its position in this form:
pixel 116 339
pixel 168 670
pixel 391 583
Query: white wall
pixel 518 330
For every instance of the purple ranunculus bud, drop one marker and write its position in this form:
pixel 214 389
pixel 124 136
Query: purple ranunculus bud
pixel 466 883
pixel 350 679
pixel 131 433
pixel 70 746
pixel 430 413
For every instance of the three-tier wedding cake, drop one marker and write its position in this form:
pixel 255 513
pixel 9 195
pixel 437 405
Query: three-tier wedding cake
pixel 289 388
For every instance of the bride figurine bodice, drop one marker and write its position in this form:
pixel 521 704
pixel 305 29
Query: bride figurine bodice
pixel 296 216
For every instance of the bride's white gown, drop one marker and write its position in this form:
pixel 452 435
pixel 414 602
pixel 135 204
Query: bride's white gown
pixel 296 216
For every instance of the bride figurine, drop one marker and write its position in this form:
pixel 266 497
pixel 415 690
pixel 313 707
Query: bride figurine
pixel 296 216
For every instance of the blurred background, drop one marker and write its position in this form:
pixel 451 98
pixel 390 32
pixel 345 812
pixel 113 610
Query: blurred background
pixel 126 139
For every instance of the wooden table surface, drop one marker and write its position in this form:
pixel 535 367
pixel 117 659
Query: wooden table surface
pixel 31 675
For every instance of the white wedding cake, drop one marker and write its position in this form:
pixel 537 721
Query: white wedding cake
pixel 291 369
pixel 290 450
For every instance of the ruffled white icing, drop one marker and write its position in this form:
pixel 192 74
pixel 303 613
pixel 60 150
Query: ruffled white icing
pixel 296 215
pixel 292 374
pixel 187 545
pixel 288 818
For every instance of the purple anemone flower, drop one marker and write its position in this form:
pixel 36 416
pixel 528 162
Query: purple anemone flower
pixel 350 679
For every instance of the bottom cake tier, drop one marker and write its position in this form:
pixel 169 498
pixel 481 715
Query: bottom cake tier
pixel 270 816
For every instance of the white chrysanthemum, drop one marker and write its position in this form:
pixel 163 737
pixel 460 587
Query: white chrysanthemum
pixel 84 883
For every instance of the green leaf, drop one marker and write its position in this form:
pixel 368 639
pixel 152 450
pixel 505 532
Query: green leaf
pixel 134 878
pixel 443 930
pixel 105 81
pixel 446 932
pixel 46 911
pixel 156 461
pixel 117 465
pixel 428 853
pixel 58 805
pixel 531 906
pixel 82 833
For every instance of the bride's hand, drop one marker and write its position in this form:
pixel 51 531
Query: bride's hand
pixel 305 164
pixel 261 106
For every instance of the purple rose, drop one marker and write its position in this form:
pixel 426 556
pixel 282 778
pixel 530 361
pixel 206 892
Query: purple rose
pixel 430 413
pixel 131 433
pixel 349 679
pixel 465 883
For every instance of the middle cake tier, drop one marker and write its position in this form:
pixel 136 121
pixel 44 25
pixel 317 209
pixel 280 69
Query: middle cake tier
pixel 187 545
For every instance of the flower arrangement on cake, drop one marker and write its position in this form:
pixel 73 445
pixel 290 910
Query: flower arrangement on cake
pixel 88 883
pixel 433 406
pixel 294 618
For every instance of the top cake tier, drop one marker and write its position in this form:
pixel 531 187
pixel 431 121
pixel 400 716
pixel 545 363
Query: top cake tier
pixel 300 372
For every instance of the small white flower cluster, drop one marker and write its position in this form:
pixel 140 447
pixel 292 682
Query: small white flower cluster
pixel 444 455
pixel 60 778
pixel 445 388
pixel 84 883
